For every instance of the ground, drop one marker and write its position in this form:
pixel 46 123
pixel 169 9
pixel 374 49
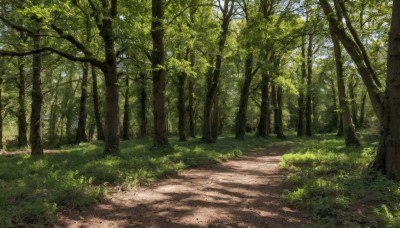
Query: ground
pixel 244 192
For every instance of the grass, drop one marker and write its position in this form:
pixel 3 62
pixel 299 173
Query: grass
pixel 34 189
pixel 332 183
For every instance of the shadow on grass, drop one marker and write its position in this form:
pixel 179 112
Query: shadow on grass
pixel 333 183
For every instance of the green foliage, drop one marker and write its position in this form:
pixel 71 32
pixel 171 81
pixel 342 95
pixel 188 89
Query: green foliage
pixel 332 183
pixel 34 189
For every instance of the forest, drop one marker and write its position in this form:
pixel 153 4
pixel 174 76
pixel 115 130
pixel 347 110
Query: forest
pixel 197 113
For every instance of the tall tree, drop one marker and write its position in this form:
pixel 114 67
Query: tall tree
pixel 300 123
pixel 228 8
pixel 387 159
pixel 81 130
pixel 182 78
pixel 36 139
pixel 351 138
pixel 241 117
pixel 96 106
pixel 263 130
pixel 308 111
pixel 142 97
pixel 126 119
pixel 22 124
pixel 159 74
pixel 1 105
pixel 355 50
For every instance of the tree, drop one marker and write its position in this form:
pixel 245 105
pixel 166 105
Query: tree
pixel 2 71
pixel 355 49
pixel 159 74
pixel 351 138
pixel 387 159
pixel 228 10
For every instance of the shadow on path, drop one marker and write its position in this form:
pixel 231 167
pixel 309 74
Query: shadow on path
pixel 244 192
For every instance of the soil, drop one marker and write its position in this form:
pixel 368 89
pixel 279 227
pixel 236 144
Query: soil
pixel 244 192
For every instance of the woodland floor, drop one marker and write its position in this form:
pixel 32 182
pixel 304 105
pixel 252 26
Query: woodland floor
pixel 244 192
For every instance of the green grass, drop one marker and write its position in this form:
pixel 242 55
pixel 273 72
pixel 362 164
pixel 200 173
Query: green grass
pixel 34 189
pixel 332 183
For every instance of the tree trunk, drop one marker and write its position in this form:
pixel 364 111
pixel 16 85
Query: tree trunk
pixel 263 126
pixel 96 106
pixel 387 159
pixel 279 118
pixel 215 123
pixel 275 108
pixel 300 124
pixel 241 118
pixel 181 102
pixel 356 54
pixel 353 104
pixel 362 110
pixel 351 138
pixel 53 117
pixel 308 112
pixel 143 106
pixel 37 99
pixel 335 114
pixel 212 90
pixel 1 107
pixel 81 131
pixel 112 123
pixel 340 132
pixel 126 121
pixel 22 124
pixel 191 110
pixel 159 74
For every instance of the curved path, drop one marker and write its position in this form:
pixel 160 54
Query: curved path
pixel 244 192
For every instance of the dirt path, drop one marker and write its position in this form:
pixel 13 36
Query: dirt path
pixel 245 192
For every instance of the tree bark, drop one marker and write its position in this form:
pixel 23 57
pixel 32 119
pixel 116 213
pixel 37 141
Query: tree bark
pixel 22 124
pixel 308 111
pixel 112 91
pixel 362 111
pixel 1 107
pixel 300 123
pixel 126 120
pixel 181 102
pixel 53 117
pixel 191 110
pixel 212 90
pixel 241 117
pixel 37 100
pixel 351 138
pixel 279 118
pixel 96 106
pixel 275 108
pixel 81 131
pixel 143 106
pixel 353 104
pixel 340 131
pixel 387 159
pixel 335 114
pixel 356 54
pixel 159 74
pixel 215 121
pixel 263 126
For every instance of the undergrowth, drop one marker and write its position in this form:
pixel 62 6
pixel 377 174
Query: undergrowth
pixel 333 184
pixel 34 189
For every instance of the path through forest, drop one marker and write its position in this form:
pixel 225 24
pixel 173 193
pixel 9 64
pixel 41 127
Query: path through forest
pixel 245 192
